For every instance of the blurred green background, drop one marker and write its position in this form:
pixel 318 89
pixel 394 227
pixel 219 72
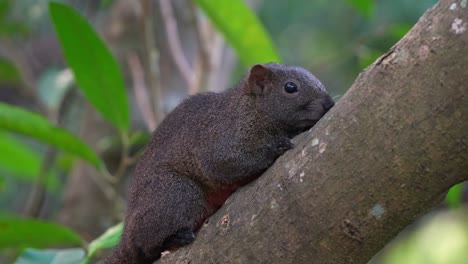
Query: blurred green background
pixel 61 141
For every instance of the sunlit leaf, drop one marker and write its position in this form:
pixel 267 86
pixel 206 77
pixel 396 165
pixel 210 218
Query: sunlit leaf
pixel 21 161
pixel 96 70
pixel 51 256
pixel 441 238
pixel 454 196
pixel 242 29
pixel 110 238
pixel 21 233
pixel 18 120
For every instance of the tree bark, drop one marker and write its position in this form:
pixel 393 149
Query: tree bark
pixel 383 156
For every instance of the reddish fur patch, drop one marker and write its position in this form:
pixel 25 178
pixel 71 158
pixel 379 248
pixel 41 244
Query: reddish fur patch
pixel 215 199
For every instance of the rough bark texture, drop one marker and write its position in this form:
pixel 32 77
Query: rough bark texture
pixel 383 156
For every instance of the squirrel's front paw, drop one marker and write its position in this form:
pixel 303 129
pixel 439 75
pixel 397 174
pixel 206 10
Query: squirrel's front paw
pixel 284 146
pixel 182 237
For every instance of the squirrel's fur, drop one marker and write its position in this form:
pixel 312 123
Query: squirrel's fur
pixel 206 148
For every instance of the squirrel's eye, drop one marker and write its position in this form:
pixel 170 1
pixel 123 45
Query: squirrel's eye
pixel 290 87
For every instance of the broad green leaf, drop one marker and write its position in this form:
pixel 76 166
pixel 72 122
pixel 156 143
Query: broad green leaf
pixel 18 120
pixel 242 29
pixel 21 161
pixel 364 7
pixel 95 69
pixel 21 233
pixel 110 238
pixel 454 196
pixel 51 256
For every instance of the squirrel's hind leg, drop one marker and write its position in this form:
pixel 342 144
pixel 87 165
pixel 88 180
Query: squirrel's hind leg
pixel 175 207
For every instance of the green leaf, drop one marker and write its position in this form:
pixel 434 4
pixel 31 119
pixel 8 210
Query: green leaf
pixel 96 70
pixel 454 196
pixel 242 29
pixel 5 7
pixel 21 233
pixel 51 256
pixel 109 239
pixel 31 124
pixel 21 161
pixel 364 7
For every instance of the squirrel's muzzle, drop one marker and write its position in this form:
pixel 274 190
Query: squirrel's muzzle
pixel 328 103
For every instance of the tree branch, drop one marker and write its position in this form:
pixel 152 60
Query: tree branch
pixel 383 156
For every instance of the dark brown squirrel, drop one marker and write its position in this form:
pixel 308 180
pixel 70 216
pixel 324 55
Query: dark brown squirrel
pixel 206 148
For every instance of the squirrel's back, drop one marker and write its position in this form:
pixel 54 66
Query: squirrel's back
pixel 207 147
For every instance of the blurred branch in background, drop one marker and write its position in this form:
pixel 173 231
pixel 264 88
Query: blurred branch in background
pixel 175 47
pixel 152 59
pixel 140 90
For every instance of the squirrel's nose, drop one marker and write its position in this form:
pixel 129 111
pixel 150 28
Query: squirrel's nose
pixel 328 103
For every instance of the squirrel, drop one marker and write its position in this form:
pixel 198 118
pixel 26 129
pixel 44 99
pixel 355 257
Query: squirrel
pixel 206 148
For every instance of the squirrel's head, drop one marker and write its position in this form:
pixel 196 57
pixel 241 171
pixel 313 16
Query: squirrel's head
pixel 289 95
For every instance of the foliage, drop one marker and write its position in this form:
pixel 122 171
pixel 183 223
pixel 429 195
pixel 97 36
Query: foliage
pixel 454 196
pixel 20 233
pixel 75 255
pixel 96 70
pixel 241 27
pixel 21 161
pixel 439 240
pixel 18 120
pixel 56 256
pixel 110 238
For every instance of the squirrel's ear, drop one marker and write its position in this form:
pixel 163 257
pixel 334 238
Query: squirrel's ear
pixel 258 79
